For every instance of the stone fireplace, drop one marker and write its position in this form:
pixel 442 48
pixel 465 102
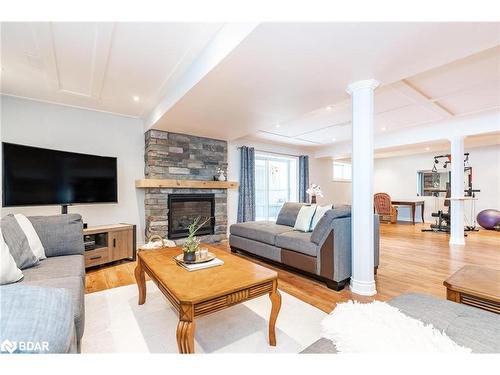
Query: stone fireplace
pixel 176 156
pixel 183 209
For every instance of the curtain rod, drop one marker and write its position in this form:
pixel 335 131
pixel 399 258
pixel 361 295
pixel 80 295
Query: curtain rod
pixel 275 153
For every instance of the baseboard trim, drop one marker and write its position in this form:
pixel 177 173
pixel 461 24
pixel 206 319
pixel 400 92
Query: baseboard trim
pixel 363 288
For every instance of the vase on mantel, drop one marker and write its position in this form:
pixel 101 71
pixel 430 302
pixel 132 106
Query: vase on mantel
pixel 313 199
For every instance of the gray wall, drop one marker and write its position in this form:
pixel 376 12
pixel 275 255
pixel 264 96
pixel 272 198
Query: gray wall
pixel 184 157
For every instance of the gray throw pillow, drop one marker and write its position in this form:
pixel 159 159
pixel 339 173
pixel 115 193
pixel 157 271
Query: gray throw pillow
pixel 18 243
pixel 288 213
pixel 59 234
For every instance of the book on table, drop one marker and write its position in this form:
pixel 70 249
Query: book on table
pixel 199 266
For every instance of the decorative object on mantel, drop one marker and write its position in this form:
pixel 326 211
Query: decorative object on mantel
pixel 191 245
pixel 220 176
pixel 152 183
pixel 314 191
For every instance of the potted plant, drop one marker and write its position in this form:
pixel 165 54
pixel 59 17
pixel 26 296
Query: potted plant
pixel 190 246
pixel 314 191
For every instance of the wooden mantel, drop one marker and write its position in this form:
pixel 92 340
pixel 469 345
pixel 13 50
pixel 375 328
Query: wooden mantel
pixel 187 184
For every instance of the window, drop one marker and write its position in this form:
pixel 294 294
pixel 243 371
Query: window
pixel 342 171
pixel 275 184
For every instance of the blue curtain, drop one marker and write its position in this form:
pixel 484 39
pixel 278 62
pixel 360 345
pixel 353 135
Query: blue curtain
pixel 246 199
pixel 303 178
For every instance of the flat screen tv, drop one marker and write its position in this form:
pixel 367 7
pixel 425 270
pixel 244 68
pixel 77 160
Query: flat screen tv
pixel 35 176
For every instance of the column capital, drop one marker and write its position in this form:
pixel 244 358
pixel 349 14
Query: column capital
pixel 364 84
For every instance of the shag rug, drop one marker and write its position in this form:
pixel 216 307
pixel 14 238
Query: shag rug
pixel 379 327
pixel 114 323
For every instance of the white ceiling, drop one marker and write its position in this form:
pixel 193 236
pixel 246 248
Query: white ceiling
pixel 99 66
pixel 283 83
pixel 288 74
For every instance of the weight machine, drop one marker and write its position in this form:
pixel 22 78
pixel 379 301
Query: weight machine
pixel 443 219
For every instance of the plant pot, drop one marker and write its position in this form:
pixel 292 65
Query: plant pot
pixel 189 257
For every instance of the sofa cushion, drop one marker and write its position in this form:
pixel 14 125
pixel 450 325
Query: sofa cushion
pixel 324 225
pixel 262 231
pixel 60 234
pixel 261 249
pixel 304 218
pixel 18 243
pixel 38 315
pixel 9 272
pixel 56 268
pixel 319 213
pixel 75 287
pixel 297 241
pixel 288 213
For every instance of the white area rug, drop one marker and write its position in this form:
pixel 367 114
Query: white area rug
pixel 114 323
pixel 379 327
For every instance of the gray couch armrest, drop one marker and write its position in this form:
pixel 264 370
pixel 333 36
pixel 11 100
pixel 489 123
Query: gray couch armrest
pixel 60 234
pixel 342 249
pixel 342 246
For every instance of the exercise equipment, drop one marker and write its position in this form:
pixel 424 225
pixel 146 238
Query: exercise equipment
pixel 488 219
pixel 443 219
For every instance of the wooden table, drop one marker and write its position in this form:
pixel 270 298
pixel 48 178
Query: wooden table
pixel 413 204
pixel 197 293
pixel 475 286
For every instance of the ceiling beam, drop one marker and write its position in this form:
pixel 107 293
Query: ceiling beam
pixel 418 97
pixel 102 48
pixel 470 125
pixel 42 32
pixel 221 45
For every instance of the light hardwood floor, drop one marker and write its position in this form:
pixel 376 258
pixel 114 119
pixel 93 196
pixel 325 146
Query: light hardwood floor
pixel 410 261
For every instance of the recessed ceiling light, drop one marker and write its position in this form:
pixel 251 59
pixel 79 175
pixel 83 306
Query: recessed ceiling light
pixel 329 108
pixel 383 129
pixel 135 98
pixel 278 126
pixel 427 149
pixel 334 139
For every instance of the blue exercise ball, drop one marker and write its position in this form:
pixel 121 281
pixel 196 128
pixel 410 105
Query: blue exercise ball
pixel 488 218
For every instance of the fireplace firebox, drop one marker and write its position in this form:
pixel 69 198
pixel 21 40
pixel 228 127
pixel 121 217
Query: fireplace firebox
pixel 183 209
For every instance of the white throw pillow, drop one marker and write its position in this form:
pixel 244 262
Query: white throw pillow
pixel 304 218
pixel 9 273
pixel 320 212
pixel 30 233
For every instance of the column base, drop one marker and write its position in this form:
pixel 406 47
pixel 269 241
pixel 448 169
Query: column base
pixel 363 288
pixel 457 241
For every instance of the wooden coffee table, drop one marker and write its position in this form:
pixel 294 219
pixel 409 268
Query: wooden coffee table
pixel 197 293
pixel 475 286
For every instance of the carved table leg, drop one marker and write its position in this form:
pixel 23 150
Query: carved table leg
pixel 140 278
pixel 275 297
pixel 185 330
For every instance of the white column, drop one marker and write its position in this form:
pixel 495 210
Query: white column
pixel 363 278
pixel 457 190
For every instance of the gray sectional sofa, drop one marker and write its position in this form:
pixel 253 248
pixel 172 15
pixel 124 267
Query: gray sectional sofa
pixel 324 253
pixel 47 305
pixel 468 326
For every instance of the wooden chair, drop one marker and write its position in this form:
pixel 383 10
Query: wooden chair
pixel 384 208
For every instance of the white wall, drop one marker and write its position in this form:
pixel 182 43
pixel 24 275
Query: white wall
pixel 70 129
pixel 397 176
pixel 321 173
